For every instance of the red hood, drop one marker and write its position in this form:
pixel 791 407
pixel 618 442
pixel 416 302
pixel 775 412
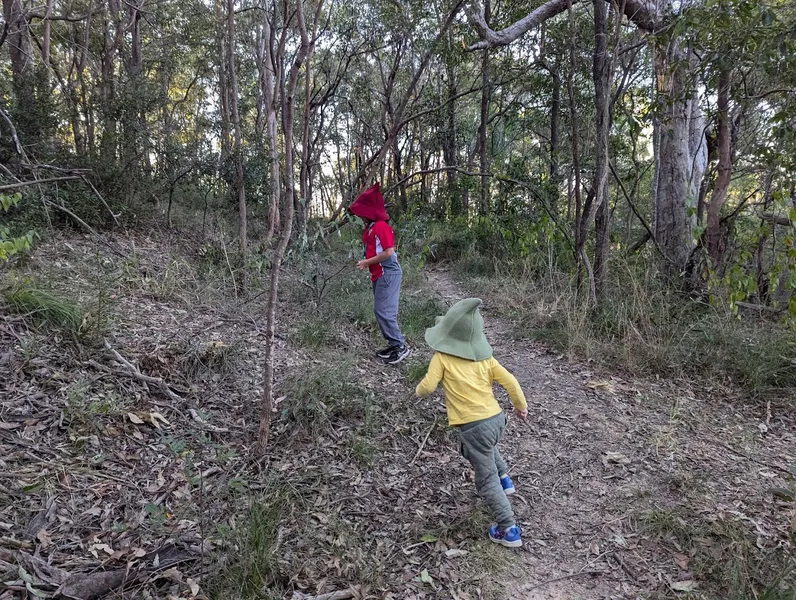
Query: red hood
pixel 370 205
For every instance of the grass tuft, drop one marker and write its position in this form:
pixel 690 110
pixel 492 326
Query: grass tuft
pixel 47 308
pixel 318 396
pixel 251 571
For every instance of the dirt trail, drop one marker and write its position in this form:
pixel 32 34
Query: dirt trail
pixel 597 454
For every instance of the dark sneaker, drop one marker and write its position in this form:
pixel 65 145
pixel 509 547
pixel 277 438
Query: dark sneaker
pixel 507 537
pixel 507 484
pixel 384 353
pixel 397 355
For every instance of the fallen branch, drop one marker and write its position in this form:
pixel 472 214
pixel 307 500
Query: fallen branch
pixel 134 372
pixel 760 307
pixel 14 543
pixel 10 123
pixel 338 595
pixel 13 186
pixel 88 227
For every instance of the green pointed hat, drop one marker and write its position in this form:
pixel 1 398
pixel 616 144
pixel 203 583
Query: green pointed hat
pixel 461 332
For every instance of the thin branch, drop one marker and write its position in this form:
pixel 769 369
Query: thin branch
pixel 13 186
pixel 7 119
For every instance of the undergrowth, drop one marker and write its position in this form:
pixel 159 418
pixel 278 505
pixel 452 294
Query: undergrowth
pixel 644 328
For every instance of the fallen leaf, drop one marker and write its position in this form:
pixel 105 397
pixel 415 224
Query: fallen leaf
pixel 193 586
pixel 426 578
pixel 684 586
pixel 456 553
pixel 155 417
pixel 44 538
pixel 428 538
pixel 615 458
pixel 681 560
pixel 603 386
pixel 9 426
pixel 134 418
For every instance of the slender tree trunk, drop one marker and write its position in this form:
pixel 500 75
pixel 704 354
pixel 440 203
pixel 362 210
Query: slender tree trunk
pixel 449 149
pixel 23 79
pixel 713 235
pixel 268 83
pixel 287 101
pixel 555 125
pixel 303 203
pixel 575 152
pixel 240 177
pixel 601 73
pixel 482 137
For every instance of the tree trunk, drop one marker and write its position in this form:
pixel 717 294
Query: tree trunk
pixel 23 75
pixel 240 177
pixel 601 73
pixel 449 151
pixel 672 219
pixel 575 151
pixel 713 236
pixel 286 102
pixel 555 126
pixel 484 207
pixel 268 91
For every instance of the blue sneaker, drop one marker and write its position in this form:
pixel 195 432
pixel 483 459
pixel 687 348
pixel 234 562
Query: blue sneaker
pixel 508 537
pixel 508 485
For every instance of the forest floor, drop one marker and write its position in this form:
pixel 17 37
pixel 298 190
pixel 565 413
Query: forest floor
pixel 130 395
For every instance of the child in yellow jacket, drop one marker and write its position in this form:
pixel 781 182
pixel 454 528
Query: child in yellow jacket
pixel 465 366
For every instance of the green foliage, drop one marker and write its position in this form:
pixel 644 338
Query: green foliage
pixel 645 327
pixel 47 308
pixel 10 244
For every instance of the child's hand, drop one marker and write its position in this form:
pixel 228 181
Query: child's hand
pixel 522 414
pixel 362 265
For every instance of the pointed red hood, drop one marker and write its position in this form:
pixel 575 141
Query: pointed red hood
pixel 370 205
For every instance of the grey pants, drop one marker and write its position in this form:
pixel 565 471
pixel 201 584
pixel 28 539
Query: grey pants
pixel 386 290
pixel 478 444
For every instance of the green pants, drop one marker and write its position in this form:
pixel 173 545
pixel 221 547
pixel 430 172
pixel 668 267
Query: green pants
pixel 478 444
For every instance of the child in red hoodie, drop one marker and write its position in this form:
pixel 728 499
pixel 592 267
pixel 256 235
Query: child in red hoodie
pixel 378 242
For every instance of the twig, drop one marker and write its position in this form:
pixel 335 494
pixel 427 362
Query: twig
pixel 13 543
pixel 338 595
pixel 12 186
pixel 562 578
pixel 96 193
pixel 7 119
pixel 425 439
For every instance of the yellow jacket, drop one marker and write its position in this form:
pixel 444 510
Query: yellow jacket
pixel 468 387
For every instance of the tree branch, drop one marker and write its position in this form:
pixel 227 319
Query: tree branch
pixel 637 11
